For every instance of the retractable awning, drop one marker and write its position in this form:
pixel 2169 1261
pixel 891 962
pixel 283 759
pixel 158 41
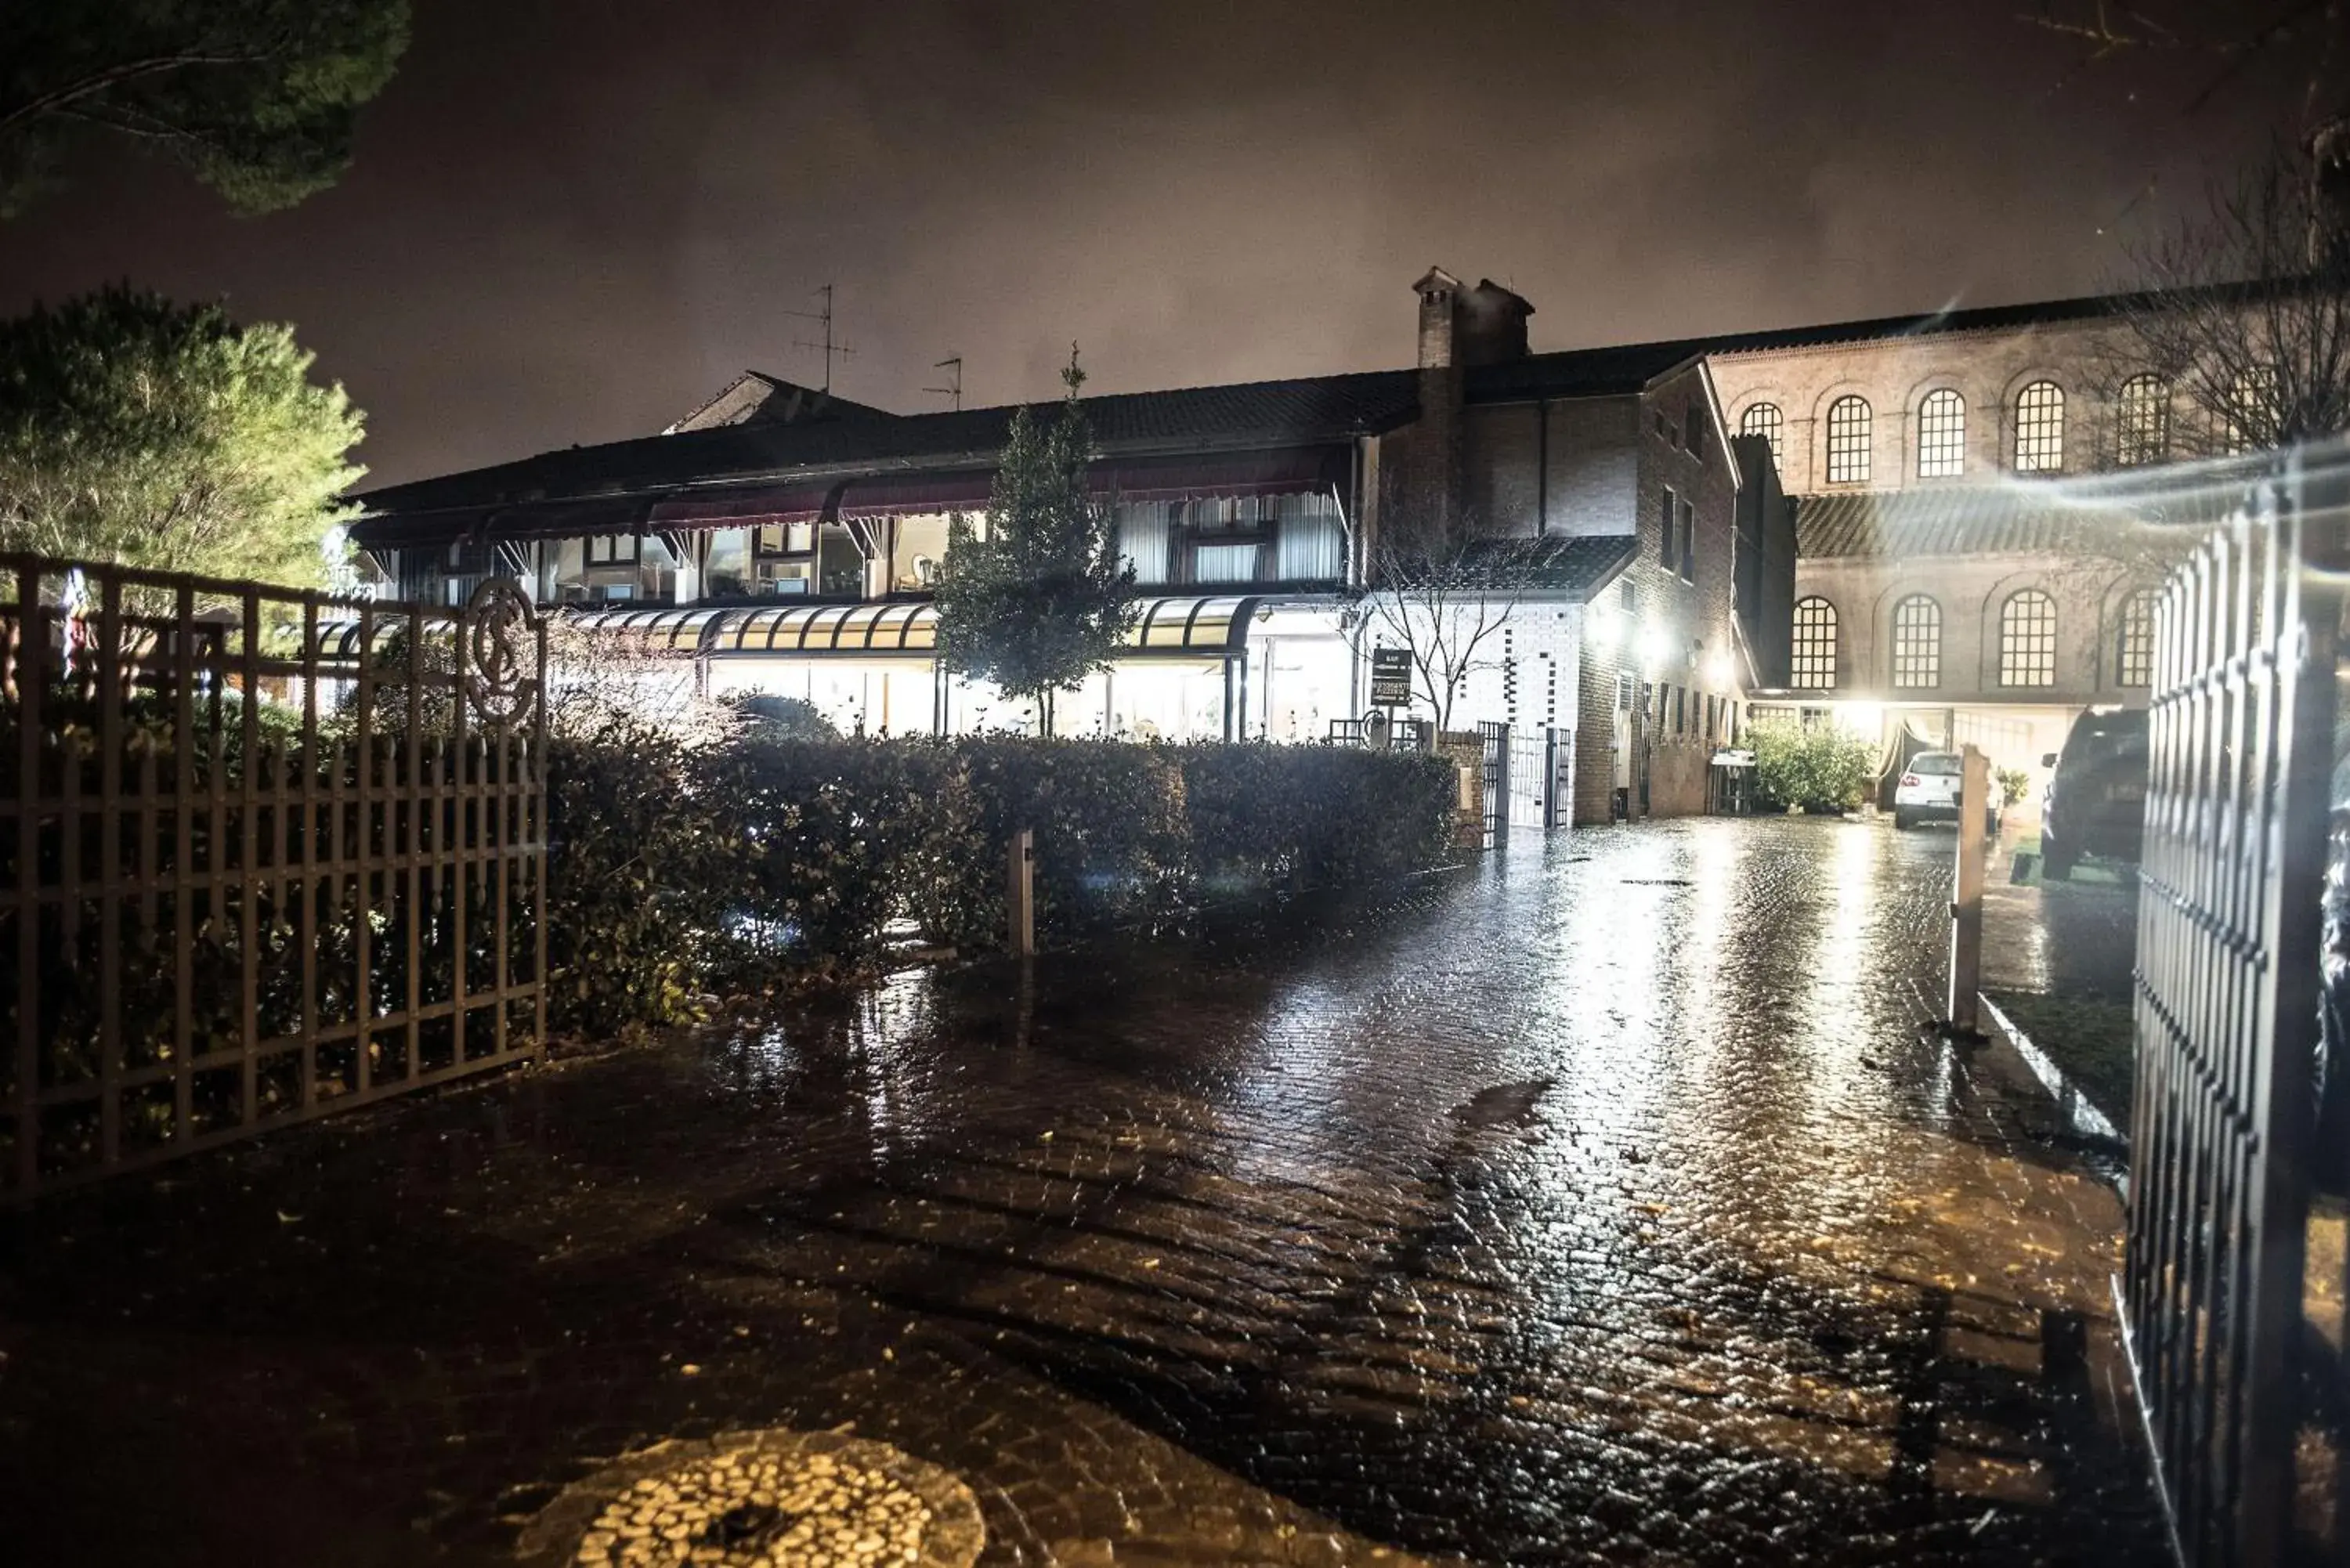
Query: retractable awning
pixel 862 630
pixel 1188 626
pixel 1184 626
pixel 654 631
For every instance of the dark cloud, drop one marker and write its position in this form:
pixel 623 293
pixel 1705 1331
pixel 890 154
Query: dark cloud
pixel 572 220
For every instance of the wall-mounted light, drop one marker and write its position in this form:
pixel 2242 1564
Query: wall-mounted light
pixel 1653 648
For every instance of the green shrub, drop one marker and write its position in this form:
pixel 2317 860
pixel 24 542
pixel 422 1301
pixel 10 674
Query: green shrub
pixel 768 855
pixel 1816 767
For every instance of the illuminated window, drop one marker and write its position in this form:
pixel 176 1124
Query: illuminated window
pixel 1941 435
pixel 1765 421
pixel 1917 642
pixel 2142 421
pixel 2252 413
pixel 1815 649
pixel 1848 436
pixel 2134 662
pixel 2027 639
pixel 2040 429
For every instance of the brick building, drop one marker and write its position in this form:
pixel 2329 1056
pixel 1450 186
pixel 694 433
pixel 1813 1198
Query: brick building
pixel 1885 521
pixel 787 540
pixel 1965 484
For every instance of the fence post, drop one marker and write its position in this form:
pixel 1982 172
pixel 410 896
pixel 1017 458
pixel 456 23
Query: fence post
pixel 1020 897
pixel 1966 897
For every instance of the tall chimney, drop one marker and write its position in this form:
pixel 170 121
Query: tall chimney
pixel 1440 294
pixel 1426 496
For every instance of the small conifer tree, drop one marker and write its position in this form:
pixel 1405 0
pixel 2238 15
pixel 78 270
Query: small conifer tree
pixel 1034 598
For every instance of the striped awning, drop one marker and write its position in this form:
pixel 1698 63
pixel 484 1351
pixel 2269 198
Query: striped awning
pixel 653 630
pixel 1179 627
pixel 1188 626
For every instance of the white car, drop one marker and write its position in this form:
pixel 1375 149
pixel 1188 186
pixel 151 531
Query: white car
pixel 1928 791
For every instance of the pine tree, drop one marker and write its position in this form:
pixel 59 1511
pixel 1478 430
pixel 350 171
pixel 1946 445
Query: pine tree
pixel 1035 599
pixel 141 432
pixel 259 96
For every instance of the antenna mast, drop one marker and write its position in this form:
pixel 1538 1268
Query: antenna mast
pixel 828 349
pixel 951 362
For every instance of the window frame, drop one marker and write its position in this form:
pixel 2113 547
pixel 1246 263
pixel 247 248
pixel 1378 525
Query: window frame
pixel 2027 652
pixel 786 551
pixel 1851 440
pixel 1917 661
pixel 1667 556
pixel 2134 640
pixel 2259 386
pixel 1814 654
pixel 1773 430
pixel 1689 541
pixel 2039 444
pixel 590 559
pixel 2134 444
pixel 1942 437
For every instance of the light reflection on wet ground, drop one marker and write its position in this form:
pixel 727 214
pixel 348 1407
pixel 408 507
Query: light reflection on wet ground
pixel 1601 1203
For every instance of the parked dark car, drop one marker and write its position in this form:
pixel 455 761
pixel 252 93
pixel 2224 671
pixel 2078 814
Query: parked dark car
pixel 2097 801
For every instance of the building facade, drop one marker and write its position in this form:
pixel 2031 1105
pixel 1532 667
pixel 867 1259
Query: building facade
pixel 788 541
pixel 1968 484
pixel 1895 525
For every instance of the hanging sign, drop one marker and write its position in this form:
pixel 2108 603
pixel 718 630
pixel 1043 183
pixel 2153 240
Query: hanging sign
pixel 1391 677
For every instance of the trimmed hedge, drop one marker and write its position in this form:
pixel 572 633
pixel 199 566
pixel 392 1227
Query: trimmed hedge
pixel 675 872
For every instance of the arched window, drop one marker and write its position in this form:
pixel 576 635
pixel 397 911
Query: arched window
pixel 1765 421
pixel 1848 437
pixel 2027 639
pixel 1917 642
pixel 2040 429
pixel 2142 421
pixel 2134 649
pixel 2252 413
pixel 1815 648
pixel 1941 435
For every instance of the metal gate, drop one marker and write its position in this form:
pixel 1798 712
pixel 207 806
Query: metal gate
pixel 1493 773
pixel 255 864
pixel 1529 777
pixel 2227 998
pixel 1558 800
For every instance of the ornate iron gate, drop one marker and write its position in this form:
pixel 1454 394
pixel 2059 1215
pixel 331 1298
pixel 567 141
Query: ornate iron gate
pixel 255 866
pixel 2227 998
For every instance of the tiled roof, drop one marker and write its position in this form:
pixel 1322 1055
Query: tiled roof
pixel 1969 520
pixel 1616 372
pixel 1191 419
pixel 1576 564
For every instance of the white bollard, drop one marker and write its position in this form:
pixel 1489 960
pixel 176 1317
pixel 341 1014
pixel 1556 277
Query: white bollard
pixel 1966 901
pixel 1020 894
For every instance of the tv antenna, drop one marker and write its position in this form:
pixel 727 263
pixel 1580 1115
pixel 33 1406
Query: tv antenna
pixel 952 362
pixel 828 349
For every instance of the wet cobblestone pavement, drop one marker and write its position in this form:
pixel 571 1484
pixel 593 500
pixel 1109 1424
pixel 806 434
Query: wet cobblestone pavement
pixel 1602 1203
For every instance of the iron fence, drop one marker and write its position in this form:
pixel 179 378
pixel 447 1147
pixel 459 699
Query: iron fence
pixel 2242 737
pixel 248 872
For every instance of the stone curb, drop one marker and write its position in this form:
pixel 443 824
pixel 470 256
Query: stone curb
pixel 2081 1115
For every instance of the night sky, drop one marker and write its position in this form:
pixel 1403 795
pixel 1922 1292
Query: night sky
pixel 573 220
